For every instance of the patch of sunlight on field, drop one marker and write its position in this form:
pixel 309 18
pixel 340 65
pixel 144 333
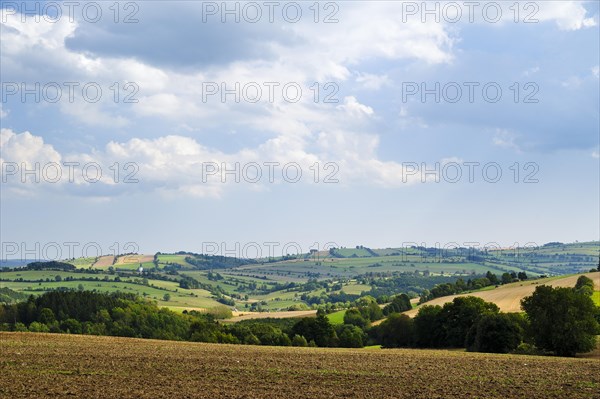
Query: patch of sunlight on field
pixel 596 298
pixel 337 317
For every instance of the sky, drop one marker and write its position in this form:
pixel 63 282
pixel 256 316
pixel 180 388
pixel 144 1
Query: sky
pixel 266 128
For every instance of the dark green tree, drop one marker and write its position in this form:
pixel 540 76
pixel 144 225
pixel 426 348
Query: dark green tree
pixel 506 278
pixel 71 326
pixel 585 285
pixel 397 331
pixel 492 277
pixel 458 316
pixel 428 328
pixel 47 316
pixel 351 336
pixel 354 317
pixel 562 320
pixel 299 340
pixel 496 333
pixel 371 311
pixel 317 329
pixel 400 303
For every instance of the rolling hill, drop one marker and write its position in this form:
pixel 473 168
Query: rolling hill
pixel 508 297
pixel 186 280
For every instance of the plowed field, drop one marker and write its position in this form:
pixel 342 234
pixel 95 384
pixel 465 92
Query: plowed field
pixel 72 366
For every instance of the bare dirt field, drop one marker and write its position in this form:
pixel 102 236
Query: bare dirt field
pixel 508 297
pixel 75 366
pixel 104 261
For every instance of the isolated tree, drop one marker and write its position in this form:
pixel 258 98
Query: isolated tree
pixel 167 297
pixel 585 285
pixel 506 278
pixel 562 320
pixel 522 276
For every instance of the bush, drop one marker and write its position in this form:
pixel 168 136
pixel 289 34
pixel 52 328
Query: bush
pixel 220 312
pixel 38 327
pixel 527 349
pixel 251 339
pixel 299 340
pixel 584 285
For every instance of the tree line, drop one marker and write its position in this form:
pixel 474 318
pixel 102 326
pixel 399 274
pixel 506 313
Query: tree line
pixel 563 321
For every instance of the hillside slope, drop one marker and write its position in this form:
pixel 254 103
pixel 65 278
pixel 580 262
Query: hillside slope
pixel 508 297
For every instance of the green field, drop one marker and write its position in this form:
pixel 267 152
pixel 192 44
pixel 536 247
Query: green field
pixel 257 282
pixel 351 267
pixel 83 262
pixel 337 317
pixel 45 274
pixel 177 259
pixel 596 297
pixel 179 297
pixel 353 252
pixel 355 289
